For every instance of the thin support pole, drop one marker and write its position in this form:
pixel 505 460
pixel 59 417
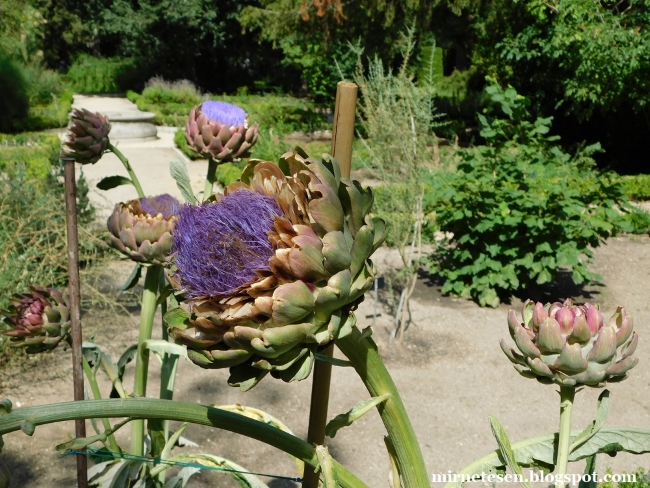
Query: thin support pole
pixel 75 306
pixel 342 137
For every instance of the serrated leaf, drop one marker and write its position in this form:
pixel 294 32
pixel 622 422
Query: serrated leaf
pixel 179 172
pixel 133 278
pixel 113 182
pixel 540 451
pixel 505 448
pixel 601 414
pixel 359 410
pixel 177 318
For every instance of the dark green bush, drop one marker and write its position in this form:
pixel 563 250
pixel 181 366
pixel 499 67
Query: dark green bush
pixel 13 93
pixel 44 85
pixel 636 221
pixel 520 208
pixel 50 116
pixel 637 187
pixel 105 75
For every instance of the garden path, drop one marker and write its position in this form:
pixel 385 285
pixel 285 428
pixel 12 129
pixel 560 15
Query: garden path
pixel 149 159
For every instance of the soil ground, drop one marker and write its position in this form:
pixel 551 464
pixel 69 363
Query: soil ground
pixel 450 372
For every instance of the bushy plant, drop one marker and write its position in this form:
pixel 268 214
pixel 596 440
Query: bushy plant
pixel 89 74
pixel 33 154
pixel 636 221
pixel 49 116
pixel 43 84
pixel 637 187
pixel 13 93
pixel 520 208
pixel 162 92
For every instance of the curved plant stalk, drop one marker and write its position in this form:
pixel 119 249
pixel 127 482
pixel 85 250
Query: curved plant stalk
pixel 567 395
pixel 129 169
pixel 147 313
pixel 150 408
pixel 362 353
pixel 210 178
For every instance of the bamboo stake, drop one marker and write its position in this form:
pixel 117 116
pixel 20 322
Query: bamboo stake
pixel 75 315
pixel 342 137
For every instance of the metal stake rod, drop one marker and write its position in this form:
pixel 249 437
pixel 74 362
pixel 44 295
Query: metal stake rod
pixel 75 317
pixel 342 137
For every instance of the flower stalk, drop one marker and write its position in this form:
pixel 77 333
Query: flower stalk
pixel 362 353
pixel 150 408
pixel 210 178
pixel 567 395
pixel 148 311
pixel 129 169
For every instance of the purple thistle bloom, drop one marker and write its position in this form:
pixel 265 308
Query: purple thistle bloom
pixel 164 204
pixel 219 246
pixel 224 113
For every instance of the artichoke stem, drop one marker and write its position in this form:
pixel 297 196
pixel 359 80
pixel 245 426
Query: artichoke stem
pixel 129 169
pixel 210 178
pixel 567 394
pixel 147 313
pixel 362 353
pixel 94 387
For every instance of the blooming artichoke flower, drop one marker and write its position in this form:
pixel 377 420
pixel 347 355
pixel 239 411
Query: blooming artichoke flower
pixel 569 345
pixel 88 137
pixel 142 229
pixel 38 319
pixel 272 271
pixel 220 131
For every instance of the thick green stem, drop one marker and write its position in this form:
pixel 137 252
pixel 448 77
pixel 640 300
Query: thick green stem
pixel 362 353
pixel 210 178
pixel 129 169
pixel 94 387
pixel 150 408
pixel 567 394
pixel 147 313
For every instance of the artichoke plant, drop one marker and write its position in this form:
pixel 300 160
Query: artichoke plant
pixel 220 131
pixel 142 229
pixel 88 137
pixel 274 269
pixel 38 319
pixel 570 345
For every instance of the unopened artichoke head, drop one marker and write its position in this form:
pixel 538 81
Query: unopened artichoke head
pixel 142 229
pixel 220 131
pixel 38 319
pixel 88 137
pixel 272 271
pixel 570 345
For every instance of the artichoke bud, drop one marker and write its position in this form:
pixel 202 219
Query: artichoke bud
pixel 38 319
pixel 142 229
pixel 220 131
pixel 281 260
pixel 568 344
pixel 88 137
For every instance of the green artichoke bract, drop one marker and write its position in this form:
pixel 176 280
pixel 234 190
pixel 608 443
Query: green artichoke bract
pixel 570 345
pixel 220 131
pixel 274 269
pixel 39 319
pixel 88 137
pixel 142 229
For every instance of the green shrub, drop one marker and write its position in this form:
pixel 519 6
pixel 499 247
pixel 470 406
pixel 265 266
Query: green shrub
pixel 13 93
pixel 50 116
pixel 34 154
pixel 520 208
pixel 637 187
pixel 44 85
pixel 229 172
pixel 105 75
pixel 163 92
pixel 642 480
pixel 636 221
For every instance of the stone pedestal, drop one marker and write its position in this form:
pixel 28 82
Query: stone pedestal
pixel 132 126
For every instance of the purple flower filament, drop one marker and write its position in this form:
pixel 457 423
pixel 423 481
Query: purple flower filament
pixel 164 204
pixel 224 113
pixel 219 245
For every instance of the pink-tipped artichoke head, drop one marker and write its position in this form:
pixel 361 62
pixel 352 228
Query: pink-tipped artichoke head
pixel 220 131
pixel 273 270
pixel 38 319
pixel 570 345
pixel 142 229
pixel 88 137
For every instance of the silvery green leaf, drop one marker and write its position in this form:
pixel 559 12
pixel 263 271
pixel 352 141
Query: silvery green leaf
pixel 601 414
pixel 133 278
pixel 505 448
pixel 333 361
pixel 326 467
pixel 181 479
pixel 590 468
pixel 240 474
pixel 179 172
pixel 160 346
